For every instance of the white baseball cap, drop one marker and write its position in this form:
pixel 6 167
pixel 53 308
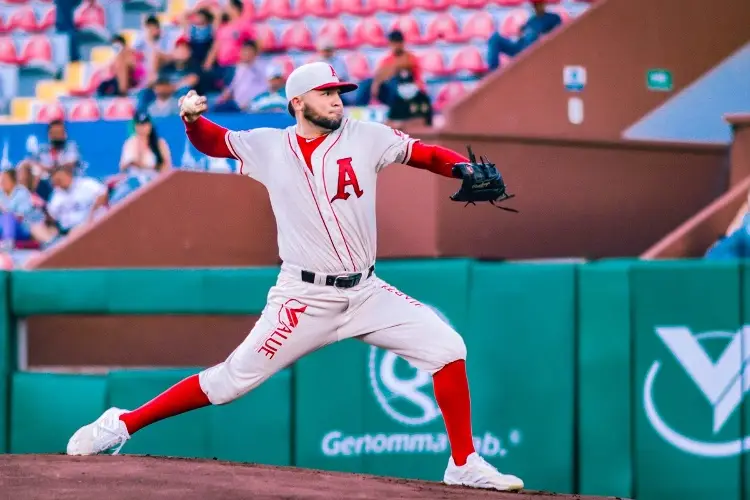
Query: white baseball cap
pixel 315 76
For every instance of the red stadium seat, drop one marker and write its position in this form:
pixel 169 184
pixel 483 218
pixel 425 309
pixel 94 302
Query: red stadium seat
pixel 297 36
pixel 472 4
pixel 468 59
pixel 47 20
pixel 17 2
pixel 49 112
pixel 336 32
pixel 509 3
pixel 90 17
pixel 479 26
pixel 3 24
pixel 448 93
pixel 286 63
pixel 369 31
pixel 432 63
pixel 317 8
pixel 391 6
pixel 266 37
pixel 409 27
pixel 358 66
pixel 23 19
pixel 442 27
pixel 511 24
pixel 280 9
pixel 96 77
pixel 8 54
pixel 85 110
pixel 429 5
pixel 37 52
pixel 355 7
pixel 121 108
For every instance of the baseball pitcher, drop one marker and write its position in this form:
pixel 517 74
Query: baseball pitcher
pixel 320 175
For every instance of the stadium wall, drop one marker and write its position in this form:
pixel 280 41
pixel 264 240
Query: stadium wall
pixel 617 42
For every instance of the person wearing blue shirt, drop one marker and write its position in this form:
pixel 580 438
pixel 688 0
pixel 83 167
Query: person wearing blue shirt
pixel 17 208
pixel 274 99
pixel 540 23
pixel 735 245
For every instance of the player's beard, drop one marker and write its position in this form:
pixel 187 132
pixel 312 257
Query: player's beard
pixel 320 121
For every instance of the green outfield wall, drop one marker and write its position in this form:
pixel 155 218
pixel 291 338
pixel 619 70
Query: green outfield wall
pixel 617 377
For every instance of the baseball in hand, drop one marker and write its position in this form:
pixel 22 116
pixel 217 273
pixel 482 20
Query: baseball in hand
pixel 192 106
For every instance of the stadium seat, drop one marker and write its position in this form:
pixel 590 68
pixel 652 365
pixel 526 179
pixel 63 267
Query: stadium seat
pixel 472 4
pixel 8 54
pixel 354 7
pixel 317 8
pixel 96 77
pixel 280 9
pixel 409 27
pixel 509 3
pixel 84 110
pixel 3 24
pixel 22 19
pixel 47 20
pixel 297 36
pixel 49 112
pixel 468 59
pixel 37 53
pixel 358 66
pixel 119 108
pixel 266 37
pixel 286 63
pixel 447 93
pixel 432 63
pixel 479 26
pixel 91 18
pixel 369 31
pixel 428 5
pixel 336 32
pixel 442 27
pixel 390 6
pixel 511 24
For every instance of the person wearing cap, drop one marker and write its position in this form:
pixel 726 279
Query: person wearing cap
pixel 248 81
pixel 539 24
pixel 164 104
pixel 145 153
pixel 321 176
pixel 274 99
pixel 399 64
pixel 181 73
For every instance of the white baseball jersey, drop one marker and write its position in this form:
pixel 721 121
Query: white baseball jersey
pixel 325 219
pixel 70 207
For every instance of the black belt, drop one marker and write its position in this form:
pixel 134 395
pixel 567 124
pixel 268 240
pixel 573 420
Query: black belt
pixel 340 280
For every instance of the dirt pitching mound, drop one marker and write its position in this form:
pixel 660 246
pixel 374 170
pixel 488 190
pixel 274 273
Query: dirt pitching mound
pixel 59 477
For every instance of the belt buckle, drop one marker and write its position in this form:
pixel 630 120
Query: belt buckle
pixel 347 281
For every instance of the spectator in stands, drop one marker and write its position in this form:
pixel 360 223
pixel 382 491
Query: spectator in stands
pixel 199 27
pixel 182 73
pixel 734 245
pixel 274 99
pixel 164 104
pixel 231 34
pixel 60 151
pixel 152 47
pixel 20 218
pixel 539 24
pixel 410 103
pixel 26 178
pixel 399 65
pixel 123 68
pixel 75 201
pixel 249 81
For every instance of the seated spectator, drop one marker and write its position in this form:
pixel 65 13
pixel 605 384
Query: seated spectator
pixel 151 49
pixel 123 68
pixel 541 23
pixel 409 103
pixel 144 156
pixel 390 74
pixel 182 73
pixel 20 219
pixel 74 202
pixel 60 151
pixel 40 191
pixel 249 80
pixel 165 104
pixel 230 36
pixel 199 27
pixel 274 99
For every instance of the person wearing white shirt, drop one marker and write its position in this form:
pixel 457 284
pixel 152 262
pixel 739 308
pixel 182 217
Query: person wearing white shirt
pixel 74 200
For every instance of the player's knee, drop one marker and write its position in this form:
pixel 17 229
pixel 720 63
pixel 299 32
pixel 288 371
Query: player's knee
pixel 223 386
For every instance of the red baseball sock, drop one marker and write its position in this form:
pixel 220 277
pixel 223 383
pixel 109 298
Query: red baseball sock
pixel 184 396
pixel 452 394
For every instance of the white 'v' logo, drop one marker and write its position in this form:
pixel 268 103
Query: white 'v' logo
pixel 723 383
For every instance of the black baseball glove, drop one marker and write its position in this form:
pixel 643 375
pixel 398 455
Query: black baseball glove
pixel 480 182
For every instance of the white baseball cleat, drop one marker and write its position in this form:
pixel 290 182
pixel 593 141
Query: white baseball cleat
pixel 105 433
pixel 477 473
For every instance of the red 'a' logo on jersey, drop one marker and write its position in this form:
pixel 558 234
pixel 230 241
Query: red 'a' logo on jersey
pixel 347 177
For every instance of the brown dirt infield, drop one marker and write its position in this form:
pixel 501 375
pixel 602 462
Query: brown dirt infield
pixel 59 477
